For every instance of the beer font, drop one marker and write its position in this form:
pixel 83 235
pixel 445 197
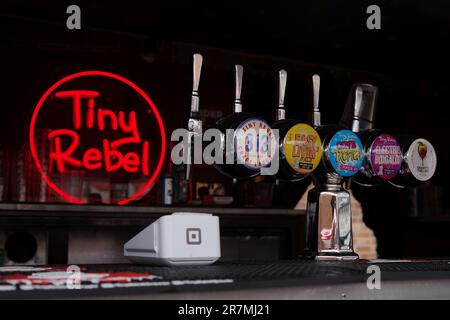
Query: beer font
pixel 334 155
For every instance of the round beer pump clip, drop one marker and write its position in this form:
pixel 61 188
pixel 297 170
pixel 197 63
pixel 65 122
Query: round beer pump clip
pixel 343 153
pixel 300 147
pixel 248 143
pixel 419 161
pixel 383 158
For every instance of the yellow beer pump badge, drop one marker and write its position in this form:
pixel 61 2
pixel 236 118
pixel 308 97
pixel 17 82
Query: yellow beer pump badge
pixel 302 148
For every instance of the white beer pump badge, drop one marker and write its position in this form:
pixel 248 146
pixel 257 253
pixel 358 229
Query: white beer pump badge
pixel 421 159
pixel 255 144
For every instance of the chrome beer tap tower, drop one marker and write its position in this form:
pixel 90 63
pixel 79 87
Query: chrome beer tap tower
pixel 329 221
pixel 328 211
pixel 334 155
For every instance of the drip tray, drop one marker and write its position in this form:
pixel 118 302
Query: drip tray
pixel 128 279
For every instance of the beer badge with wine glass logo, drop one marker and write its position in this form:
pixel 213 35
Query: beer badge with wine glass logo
pixel 421 159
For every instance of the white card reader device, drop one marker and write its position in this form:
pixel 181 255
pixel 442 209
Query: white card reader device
pixel 182 238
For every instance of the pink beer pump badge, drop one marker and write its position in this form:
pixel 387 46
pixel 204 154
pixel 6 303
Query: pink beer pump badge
pixel 385 157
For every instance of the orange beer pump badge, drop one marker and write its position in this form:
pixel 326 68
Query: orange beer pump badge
pixel 302 148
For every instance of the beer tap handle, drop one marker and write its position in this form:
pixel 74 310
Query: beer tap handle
pixel 281 112
pixel 198 60
pixel 316 91
pixel 194 123
pixel 237 100
pixel 357 109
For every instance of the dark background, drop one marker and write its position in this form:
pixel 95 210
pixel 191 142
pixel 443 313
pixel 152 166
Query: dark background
pixel 152 43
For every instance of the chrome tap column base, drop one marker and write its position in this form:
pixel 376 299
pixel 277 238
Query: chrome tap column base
pixel 329 222
pixel 338 256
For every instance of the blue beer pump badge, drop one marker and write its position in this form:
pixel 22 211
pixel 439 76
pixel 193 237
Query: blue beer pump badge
pixel 345 153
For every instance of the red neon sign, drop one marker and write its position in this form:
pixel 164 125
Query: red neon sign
pixel 107 157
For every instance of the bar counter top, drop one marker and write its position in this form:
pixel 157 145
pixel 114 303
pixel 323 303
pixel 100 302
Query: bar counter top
pixel 293 279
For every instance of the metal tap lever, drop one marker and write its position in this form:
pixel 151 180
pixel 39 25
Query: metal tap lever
pixel 316 91
pixel 194 122
pixel 281 112
pixel 239 70
pixel 357 109
pixel 359 112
